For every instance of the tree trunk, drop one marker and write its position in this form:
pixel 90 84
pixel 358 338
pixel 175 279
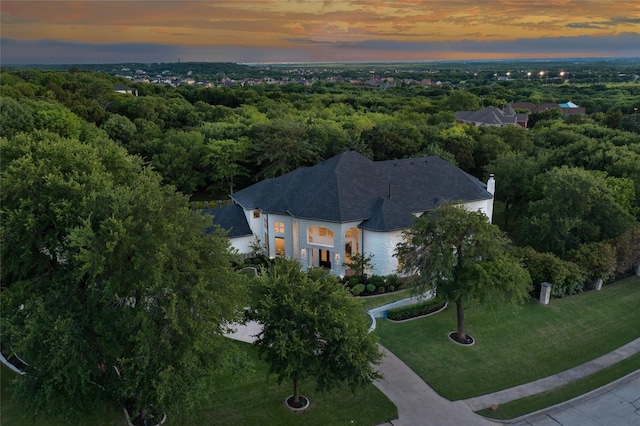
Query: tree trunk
pixel 296 393
pixel 462 335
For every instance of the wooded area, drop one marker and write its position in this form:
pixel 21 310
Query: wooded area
pixel 568 187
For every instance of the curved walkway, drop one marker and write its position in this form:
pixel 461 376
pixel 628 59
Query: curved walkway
pixel 419 405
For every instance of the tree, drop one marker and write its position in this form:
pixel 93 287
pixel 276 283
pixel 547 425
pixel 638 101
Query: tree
pixel 389 140
pixel 222 159
pixel 15 117
pixel 178 157
pixel 514 174
pixel 111 288
pixel 361 264
pixel 313 328
pixel 280 146
pixel 464 257
pixel 120 129
pixel 573 206
pixel 461 100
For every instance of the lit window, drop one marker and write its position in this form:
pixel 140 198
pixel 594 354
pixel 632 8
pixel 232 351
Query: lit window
pixel 278 227
pixel 256 214
pixel 279 246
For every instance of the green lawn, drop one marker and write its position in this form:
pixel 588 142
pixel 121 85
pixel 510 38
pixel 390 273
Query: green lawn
pixel 371 302
pixel 536 402
pixel 515 346
pixel 250 399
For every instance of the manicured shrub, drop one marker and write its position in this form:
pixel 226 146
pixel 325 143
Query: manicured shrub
pixel 391 281
pixel 376 281
pixel 371 288
pixel 357 289
pixel 413 311
pixel 381 290
pixel 353 281
pixel 391 288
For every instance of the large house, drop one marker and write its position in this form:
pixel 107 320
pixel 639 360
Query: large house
pixel 493 116
pixel 567 108
pixel 324 214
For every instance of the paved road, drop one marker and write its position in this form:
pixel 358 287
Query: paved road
pixel 617 404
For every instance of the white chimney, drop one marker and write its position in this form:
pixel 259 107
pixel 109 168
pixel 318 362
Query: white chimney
pixel 491 185
pixel 491 189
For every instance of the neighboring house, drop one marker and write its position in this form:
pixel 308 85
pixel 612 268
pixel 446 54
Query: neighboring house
pixel 492 116
pixel 347 205
pixel 567 108
pixel 126 90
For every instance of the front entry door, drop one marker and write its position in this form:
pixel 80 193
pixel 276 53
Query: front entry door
pixel 325 259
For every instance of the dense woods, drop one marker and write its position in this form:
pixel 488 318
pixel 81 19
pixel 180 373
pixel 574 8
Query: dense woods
pixel 210 141
pixel 568 187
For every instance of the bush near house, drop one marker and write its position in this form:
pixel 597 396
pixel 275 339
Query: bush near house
pixel 417 310
pixel 375 284
pixel 358 289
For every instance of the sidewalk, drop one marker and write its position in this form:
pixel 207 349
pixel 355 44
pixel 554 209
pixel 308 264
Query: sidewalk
pixel 419 405
pixel 555 380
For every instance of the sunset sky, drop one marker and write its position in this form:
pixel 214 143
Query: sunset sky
pixel 249 31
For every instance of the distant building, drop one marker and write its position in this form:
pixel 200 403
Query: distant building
pixel 567 108
pixel 492 116
pixel 126 90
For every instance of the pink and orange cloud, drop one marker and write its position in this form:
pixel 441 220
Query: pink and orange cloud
pixel 328 30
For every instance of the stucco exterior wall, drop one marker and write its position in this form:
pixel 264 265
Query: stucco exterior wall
pixel 485 206
pixel 243 244
pixel 382 246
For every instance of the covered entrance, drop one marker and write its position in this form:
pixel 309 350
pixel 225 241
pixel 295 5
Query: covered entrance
pixel 321 258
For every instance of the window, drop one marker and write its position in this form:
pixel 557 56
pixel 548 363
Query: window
pixel 256 214
pixel 319 235
pixel 278 227
pixel 279 246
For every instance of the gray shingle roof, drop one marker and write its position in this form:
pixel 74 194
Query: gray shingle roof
pixel 232 219
pixel 349 187
pixel 491 116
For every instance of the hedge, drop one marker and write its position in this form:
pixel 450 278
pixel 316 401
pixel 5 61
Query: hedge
pixel 419 309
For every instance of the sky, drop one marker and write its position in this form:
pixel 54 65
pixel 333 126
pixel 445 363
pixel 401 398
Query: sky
pixel 276 31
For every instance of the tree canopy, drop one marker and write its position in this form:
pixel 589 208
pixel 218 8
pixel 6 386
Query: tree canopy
pixel 111 287
pixel 573 206
pixel 313 328
pixel 464 258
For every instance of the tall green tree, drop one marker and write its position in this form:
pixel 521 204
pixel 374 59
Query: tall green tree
pixel 573 206
pixel 464 258
pixel 222 160
pixel 313 328
pixel 111 288
pixel 281 145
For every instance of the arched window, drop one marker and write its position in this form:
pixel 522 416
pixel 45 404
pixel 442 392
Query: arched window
pixel 320 236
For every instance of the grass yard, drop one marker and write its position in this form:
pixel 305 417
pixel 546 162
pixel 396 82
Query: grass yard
pixel 532 403
pixel 515 346
pixel 248 399
pixel 371 302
